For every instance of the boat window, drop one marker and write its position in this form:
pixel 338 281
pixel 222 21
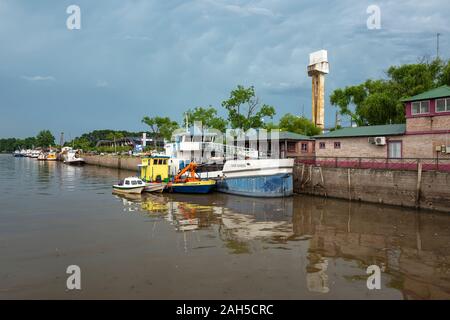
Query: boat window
pixel 127 182
pixel 134 182
pixel 160 161
pixel 155 162
pixel 165 161
pixel 139 182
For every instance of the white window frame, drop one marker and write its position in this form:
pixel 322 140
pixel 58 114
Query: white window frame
pixel 396 142
pixel 447 105
pixel 420 107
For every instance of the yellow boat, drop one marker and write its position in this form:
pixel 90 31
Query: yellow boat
pixel 155 173
pixel 51 156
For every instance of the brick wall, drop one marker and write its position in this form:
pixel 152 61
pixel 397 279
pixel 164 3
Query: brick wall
pixel 298 149
pixel 418 124
pixel 424 145
pixel 413 146
pixel 428 123
pixel 350 147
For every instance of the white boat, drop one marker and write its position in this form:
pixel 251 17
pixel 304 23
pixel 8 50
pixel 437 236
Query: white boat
pixel 35 153
pixel 268 178
pixel 42 156
pixel 132 185
pixel 254 174
pixel 72 157
pixel 17 154
pixel 154 187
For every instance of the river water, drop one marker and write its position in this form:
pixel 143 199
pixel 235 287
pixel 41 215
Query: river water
pixel 206 246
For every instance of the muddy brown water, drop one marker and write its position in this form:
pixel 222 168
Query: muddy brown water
pixel 213 246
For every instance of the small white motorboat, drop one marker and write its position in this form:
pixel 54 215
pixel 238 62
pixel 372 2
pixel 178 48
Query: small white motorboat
pixel 35 154
pixel 154 187
pixel 130 185
pixel 72 157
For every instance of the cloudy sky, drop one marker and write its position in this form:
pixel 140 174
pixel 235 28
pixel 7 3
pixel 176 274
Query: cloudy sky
pixel 140 57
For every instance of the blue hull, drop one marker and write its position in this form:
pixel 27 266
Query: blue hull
pixel 192 189
pixel 280 185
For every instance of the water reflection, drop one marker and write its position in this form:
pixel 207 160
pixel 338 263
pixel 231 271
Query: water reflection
pixel 412 248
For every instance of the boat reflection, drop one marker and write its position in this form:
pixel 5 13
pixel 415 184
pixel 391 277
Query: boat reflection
pixel 412 248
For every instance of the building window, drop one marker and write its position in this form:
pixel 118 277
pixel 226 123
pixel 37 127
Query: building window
pixel 443 105
pixel 321 145
pixel 395 149
pixel 337 145
pixel 304 147
pixel 291 146
pixel 420 107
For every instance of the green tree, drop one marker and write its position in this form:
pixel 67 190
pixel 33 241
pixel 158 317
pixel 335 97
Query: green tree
pixel 245 110
pixel 301 125
pixel 80 143
pixel 45 139
pixel 444 77
pixel 89 140
pixel 378 101
pixel 161 127
pixel 207 116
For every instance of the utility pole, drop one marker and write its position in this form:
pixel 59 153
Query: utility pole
pixel 437 45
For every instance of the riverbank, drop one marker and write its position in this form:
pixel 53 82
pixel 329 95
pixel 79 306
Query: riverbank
pixel 412 189
pixel 110 161
pixel 427 190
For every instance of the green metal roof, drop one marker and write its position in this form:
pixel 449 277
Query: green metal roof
pixel 443 91
pixel 366 131
pixel 286 135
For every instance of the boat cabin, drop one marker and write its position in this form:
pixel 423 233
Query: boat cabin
pixel 131 181
pixel 155 169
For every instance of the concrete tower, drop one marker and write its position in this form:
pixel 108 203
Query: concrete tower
pixel 317 69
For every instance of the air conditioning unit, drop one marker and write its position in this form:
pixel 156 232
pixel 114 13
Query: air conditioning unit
pixel 371 140
pixel 380 141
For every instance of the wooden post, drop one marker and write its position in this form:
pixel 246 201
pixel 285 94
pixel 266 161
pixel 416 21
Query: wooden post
pixel 419 182
pixel 349 185
pixel 323 182
pixel 301 177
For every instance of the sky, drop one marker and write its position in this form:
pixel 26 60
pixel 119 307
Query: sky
pixel 158 58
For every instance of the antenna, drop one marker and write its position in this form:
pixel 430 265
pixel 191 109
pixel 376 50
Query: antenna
pixel 437 45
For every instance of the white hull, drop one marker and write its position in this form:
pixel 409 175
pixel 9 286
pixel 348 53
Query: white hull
pixel 251 168
pixel 75 162
pixel 154 187
pixel 123 190
pixel 264 178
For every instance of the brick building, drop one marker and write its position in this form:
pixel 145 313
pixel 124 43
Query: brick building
pixel 425 135
pixel 296 145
